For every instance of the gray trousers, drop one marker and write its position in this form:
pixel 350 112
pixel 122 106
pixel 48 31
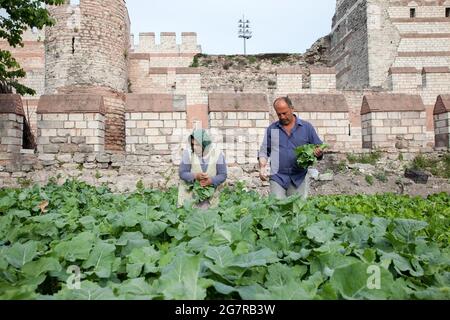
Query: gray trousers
pixel 280 193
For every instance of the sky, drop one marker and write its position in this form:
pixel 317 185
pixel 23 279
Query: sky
pixel 278 26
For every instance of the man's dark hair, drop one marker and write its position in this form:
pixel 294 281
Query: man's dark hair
pixel 286 99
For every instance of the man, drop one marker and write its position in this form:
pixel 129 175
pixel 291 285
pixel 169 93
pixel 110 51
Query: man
pixel 280 142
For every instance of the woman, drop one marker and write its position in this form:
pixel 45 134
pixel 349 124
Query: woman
pixel 203 163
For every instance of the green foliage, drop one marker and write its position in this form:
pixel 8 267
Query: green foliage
pixel 381 176
pixel 142 246
pixel 305 154
pixel 437 166
pixel 419 162
pixel 341 166
pixel 369 158
pixel 277 61
pixel 20 15
pixel 201 193
pixel 195 63
pixel 252 59
pixel 369 179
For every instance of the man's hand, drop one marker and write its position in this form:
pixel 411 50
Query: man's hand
pixel 206 182
pixel 318 152
pixel 263 169
pixel 263 174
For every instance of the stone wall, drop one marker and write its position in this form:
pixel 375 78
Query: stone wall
pixel 393 121
pixel 238 124
pixel 69 126
pixel 442 122
pixel 370 36
pixel 329 114
pixel 156 126
pixel 349 44
pixel 11 129
pixel 323 80
pixel 167 54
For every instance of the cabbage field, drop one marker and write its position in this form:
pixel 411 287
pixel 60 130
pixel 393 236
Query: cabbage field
pixel 76 241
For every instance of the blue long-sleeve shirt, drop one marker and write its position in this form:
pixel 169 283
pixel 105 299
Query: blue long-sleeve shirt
pixel 186 167
pixel 280 148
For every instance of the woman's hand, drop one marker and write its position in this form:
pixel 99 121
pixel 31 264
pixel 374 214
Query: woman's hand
pixel 201 176
pixel 206 182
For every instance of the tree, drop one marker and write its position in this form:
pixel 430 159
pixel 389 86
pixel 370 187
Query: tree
pixel 16 16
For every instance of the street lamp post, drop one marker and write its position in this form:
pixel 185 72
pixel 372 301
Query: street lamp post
pixel 244 32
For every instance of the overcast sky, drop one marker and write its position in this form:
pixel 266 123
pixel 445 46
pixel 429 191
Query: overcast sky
pixel 278 26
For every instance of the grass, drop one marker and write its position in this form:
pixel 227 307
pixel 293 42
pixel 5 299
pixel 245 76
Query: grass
pixel 369 179
pixel 368 158
pixel 342 166
pixel 437 166
pixel 381 176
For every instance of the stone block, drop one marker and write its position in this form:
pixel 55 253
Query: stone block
pixel 165 116
pixel 85 148
pixel 79 158
pixel 78 140
pixel 69 125
pixel 59 140
pixel 69 148
pixel 136 116
pixel 156 124
pixel 64 158
pixel 94 140
pixel 150 116
pixel 51 148
pixel 103 158
pixel 76 117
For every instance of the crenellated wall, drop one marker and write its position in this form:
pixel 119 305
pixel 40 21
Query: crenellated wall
pixel 168 52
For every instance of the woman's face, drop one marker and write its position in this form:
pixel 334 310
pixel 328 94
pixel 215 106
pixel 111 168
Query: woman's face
pixel 197 147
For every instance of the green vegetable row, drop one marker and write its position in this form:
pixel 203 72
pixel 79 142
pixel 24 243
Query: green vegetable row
pixel 141 246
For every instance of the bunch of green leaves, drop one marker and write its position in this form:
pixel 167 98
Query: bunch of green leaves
pixel 305 154
pixel 201 193
pixel 142 246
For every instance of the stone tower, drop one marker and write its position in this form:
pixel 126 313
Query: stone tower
pixel 87 52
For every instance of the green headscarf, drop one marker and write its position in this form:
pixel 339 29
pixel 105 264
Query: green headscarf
pixel 202 137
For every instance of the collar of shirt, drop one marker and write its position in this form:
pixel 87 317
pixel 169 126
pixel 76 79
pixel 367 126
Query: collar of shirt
pixel 298 121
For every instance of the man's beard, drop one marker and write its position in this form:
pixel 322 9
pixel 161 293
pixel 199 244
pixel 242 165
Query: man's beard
pixel 285 122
